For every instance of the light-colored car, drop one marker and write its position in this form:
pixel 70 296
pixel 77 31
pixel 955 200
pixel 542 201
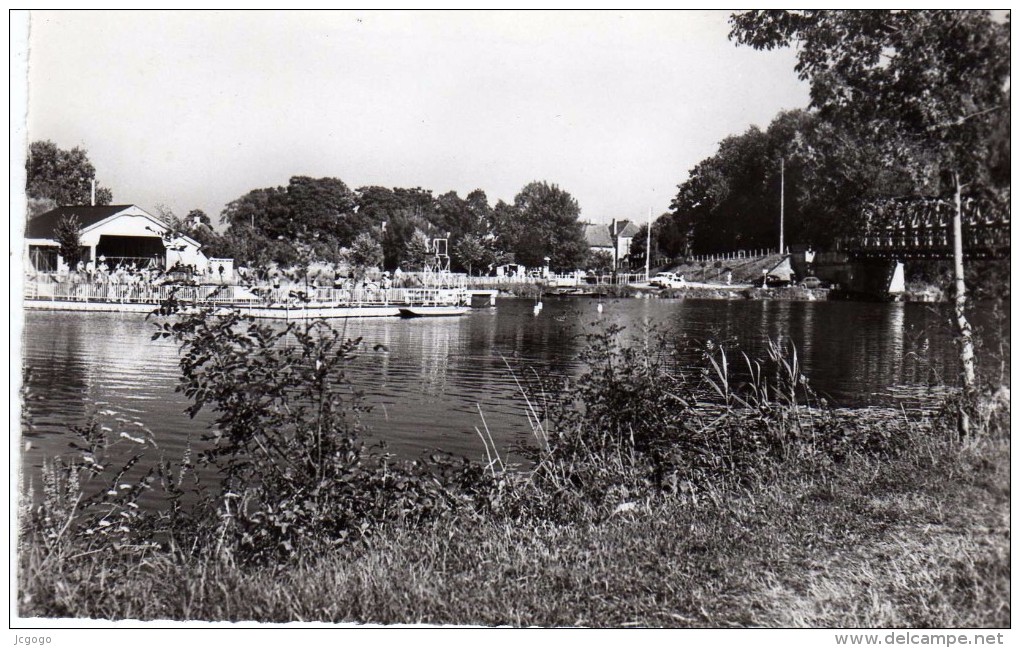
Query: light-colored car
pixel 665 280
pixel 811 282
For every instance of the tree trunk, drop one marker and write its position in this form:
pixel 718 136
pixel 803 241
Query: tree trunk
pixel 960 302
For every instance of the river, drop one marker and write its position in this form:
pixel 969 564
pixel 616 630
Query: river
pixel 441 375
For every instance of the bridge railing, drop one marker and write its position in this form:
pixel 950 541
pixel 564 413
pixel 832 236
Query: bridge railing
pixel 977 238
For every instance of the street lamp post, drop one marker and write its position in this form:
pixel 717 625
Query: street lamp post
pixel 782 201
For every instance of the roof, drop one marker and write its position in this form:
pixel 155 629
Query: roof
pixel 597 235
pixel 45 224
pixel 626 228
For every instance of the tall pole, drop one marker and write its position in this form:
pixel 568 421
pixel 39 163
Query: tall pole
pixel 782 201
pixel 648 247
pixel 960 307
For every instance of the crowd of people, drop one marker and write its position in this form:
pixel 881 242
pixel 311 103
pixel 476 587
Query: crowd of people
pixel 128 280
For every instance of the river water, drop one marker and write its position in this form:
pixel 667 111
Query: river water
pixel 441 375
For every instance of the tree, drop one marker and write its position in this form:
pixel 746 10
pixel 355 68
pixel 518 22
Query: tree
pixel 929 81
pixel 38 206
pixel 68 236
pixel 166 214
pixel 322 212
pixel 506 227
pixel 65 177
pixel 322 206
pixel 549 226
pixel 417 251
pixel 196 217
pixel 731 201
pixel 402 211
pixel 364 253
pixel 470 253
pixel 263 210
pixel 600 261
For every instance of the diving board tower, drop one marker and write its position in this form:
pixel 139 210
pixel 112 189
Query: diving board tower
pixel 437 267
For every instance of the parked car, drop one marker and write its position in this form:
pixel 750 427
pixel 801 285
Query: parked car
pixel 665 280
pixel 811 282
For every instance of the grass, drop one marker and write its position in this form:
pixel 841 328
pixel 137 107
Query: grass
pixel 918 541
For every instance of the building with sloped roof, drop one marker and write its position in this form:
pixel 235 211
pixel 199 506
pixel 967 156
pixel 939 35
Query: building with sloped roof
pixel 597 236
pixel 614 238
pixel 110 234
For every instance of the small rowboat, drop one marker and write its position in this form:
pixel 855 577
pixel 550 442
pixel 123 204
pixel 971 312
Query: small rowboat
pixel 432 311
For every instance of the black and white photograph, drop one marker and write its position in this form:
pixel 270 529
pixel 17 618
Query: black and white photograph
pixel 687 320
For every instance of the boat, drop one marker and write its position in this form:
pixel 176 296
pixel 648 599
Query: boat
pixel 432 311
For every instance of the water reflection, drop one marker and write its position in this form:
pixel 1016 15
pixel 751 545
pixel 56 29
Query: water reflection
pixel 426 391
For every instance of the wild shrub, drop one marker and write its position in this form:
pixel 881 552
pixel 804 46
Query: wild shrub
pixel 287 438
pixel 609 435
pixel 632 426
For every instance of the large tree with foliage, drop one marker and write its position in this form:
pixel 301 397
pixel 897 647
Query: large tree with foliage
pixel 471 253
pixel 196 217
pixel 731 200
pixel 316 212
pixel 931 84
pixel 543 222
pixel 418 251
pixel 62 177
pixel 363 254
pixel 398 212
pixel 467 222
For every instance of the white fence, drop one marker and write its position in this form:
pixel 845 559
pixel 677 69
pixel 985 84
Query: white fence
pixel 740 255
pixel 559 281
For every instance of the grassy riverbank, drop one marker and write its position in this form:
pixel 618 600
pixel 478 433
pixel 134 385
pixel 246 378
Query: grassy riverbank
pixel 921 541
pixel 654 499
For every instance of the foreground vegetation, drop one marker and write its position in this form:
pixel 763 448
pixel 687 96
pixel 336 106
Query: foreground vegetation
pixel 655 497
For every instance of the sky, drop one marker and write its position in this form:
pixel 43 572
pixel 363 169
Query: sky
pixel 194 109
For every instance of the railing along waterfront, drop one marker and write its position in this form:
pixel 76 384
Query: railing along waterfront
pixel 238 295
pixel 739 255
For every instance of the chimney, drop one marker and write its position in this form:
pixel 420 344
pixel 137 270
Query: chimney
pixel 93 192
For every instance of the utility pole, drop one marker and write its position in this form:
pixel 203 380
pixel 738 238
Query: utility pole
pixel 648 247
pixel 960 303
pixel 782 201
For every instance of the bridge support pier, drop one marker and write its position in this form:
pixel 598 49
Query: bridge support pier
pixel 876 278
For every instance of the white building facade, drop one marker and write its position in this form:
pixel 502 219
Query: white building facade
pixel 114 235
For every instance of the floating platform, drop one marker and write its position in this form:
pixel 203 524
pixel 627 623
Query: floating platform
pixel 277 311
pixel 432 311
pixel 298 312
pixel 89 306
pixel 480 298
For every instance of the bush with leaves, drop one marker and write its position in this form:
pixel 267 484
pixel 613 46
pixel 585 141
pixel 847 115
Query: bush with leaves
pixel 634 426
pixel 296 475
pixel 609 435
